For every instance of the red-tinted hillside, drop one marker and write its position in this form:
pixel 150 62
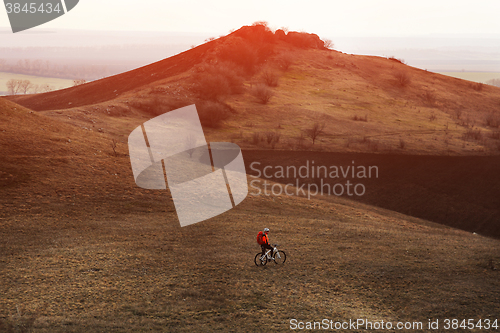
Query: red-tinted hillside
pixel 246 46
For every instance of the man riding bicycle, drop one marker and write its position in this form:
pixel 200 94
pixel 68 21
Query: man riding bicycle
pixel 265 243
pixel 273 254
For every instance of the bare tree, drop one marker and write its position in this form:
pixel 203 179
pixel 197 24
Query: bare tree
pixel 14 86
pixel 11 86
pixel 25 86
pixel 328 44
pixel 316 130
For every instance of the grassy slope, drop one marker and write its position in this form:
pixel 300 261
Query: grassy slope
pixel 82 249
pixel 135 272
pixel 339 87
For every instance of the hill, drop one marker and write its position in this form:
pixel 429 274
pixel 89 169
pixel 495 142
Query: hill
pixel 50 168
pixel 368 104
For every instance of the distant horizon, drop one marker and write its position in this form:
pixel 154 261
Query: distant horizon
pixel 44 29
pixel 355 18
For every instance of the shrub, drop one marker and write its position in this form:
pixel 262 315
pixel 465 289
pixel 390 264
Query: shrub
pixel 467 122
pixel 240 52
pixel 270 78
pixel 477 86
pixel 277 137
pixel 262 93
pixel 213 113
pixel 269 136
pixel 304 40
pixel 432 116
pixel 212 87
pixel 285 61
pixel 493 120
pixel 474 134
pixel 402 79
pixel 272 138
pixel 216 82
pixel 157 105
pixel 232 74
pixel 359 118
pixel 429 97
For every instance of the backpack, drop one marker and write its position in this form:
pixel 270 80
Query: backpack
pixel 259 238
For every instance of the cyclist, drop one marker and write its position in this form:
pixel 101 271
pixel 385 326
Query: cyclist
pixel 265 245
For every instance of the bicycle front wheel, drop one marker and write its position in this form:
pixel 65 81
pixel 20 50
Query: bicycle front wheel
pixel 279 257
pixel 260 260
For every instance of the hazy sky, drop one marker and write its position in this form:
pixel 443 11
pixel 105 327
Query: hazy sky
pixel 326 18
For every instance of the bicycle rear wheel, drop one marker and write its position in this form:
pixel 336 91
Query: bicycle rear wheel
pixel 279 257
pixel 260 261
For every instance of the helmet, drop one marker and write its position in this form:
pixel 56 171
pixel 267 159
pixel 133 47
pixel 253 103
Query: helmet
pixel 266 229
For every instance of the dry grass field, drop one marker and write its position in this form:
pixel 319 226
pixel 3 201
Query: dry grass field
pixel 83 249
pixel 83 270
pixel 55 83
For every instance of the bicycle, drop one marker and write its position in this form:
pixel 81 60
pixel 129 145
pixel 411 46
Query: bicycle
pixel 279 257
